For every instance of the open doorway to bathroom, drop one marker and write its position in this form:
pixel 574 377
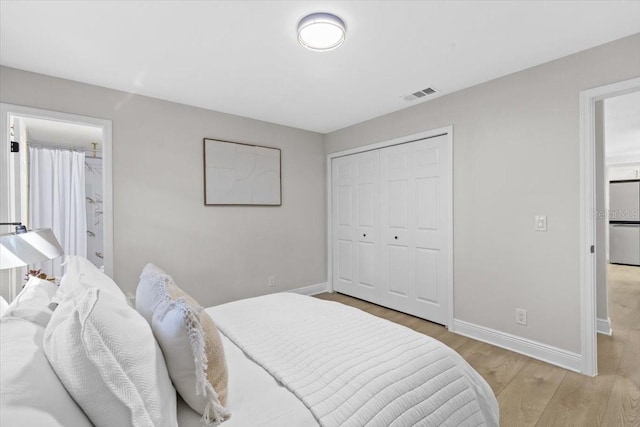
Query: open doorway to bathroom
pixel 57 175
pixel 63 189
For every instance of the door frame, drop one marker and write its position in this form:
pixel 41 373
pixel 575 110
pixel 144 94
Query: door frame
pixel 443 131
pixel 588 99
pixel 13 209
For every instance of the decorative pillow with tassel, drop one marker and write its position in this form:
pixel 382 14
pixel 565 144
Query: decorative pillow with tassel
pixel 190 343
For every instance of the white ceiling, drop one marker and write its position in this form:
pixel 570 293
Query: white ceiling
pixel 61 134
pixel 622 128
pixel 242 57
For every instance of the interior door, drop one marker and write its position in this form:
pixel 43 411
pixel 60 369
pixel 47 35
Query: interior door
pixel 355 219
pixel 415 228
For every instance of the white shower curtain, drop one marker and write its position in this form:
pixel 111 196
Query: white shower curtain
pixel 57 201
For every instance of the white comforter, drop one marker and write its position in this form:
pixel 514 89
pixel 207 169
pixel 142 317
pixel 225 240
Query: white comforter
pixel 353 369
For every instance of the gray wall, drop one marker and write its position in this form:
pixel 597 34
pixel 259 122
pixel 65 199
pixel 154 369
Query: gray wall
pixel 216 253
pixel 516 154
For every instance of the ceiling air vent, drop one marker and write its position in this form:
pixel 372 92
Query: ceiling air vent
pixel 419 94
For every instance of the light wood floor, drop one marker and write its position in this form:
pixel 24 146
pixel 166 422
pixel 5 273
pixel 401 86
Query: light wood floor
pixel 534 393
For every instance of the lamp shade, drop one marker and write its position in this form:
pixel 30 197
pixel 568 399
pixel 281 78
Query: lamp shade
pixel 17 250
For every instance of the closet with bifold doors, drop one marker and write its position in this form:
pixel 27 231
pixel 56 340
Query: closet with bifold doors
pixel 391 226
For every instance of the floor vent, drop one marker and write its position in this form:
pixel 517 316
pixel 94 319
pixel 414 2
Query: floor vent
pixel 420 94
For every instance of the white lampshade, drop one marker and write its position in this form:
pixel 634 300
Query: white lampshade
pixel 17 250
pixel 321 31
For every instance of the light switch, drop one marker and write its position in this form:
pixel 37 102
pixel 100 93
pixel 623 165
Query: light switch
pixel 541 223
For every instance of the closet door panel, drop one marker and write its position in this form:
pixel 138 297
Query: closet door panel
pixel 355 180
pixel 343 176
pixel 430 175
pixel 366 201
pixel 427 190
pixel 345 209
pixel 396 275
pixel 426 262
pixel 414 233
pixel 367 218
pixel 366 264
pixel 366 233
pixel 345 259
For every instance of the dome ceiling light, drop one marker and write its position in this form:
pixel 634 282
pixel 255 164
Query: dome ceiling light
pixel 321 31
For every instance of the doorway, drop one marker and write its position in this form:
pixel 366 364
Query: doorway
pixel 592 243
pixel 618 265
pixel 60 157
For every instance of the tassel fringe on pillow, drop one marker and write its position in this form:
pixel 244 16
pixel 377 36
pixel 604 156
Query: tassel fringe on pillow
pixel 214 411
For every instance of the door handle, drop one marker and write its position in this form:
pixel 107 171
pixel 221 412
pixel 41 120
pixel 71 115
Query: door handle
pixel 396 237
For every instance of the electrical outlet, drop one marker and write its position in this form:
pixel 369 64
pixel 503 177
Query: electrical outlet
pixel 271 281
pixel 521 316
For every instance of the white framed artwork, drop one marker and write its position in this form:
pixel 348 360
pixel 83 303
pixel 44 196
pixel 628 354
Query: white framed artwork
pixel 241 174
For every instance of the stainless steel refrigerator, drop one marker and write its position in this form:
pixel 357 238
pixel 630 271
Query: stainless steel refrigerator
pixel 624 222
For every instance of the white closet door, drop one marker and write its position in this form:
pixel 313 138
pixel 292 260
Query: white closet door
pixel 355 219
pixel 414 217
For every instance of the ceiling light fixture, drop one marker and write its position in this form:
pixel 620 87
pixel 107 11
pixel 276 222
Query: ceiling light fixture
pixel 321 31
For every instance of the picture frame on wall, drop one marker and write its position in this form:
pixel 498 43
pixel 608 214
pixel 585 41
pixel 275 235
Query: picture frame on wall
pixel 238 174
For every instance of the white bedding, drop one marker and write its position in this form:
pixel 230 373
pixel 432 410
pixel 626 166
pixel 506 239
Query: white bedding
pixel 354 369
pixel 328 358
pixel 255 398
pixel 30 392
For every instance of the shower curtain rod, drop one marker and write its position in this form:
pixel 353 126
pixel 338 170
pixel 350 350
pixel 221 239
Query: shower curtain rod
pixel 60 147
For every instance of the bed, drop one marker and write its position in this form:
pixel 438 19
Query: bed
pixel 292 360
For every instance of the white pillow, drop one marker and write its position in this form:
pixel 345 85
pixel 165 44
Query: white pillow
pixel 190 342
pixel 107 358
pixel 3 306
pixel 32 303
pixel 147 291
pixel 30 392
pixel 80 275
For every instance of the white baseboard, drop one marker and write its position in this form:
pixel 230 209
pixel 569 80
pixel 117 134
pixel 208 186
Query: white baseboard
pixel 546 353
pixel 603 326
pixel 311 289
